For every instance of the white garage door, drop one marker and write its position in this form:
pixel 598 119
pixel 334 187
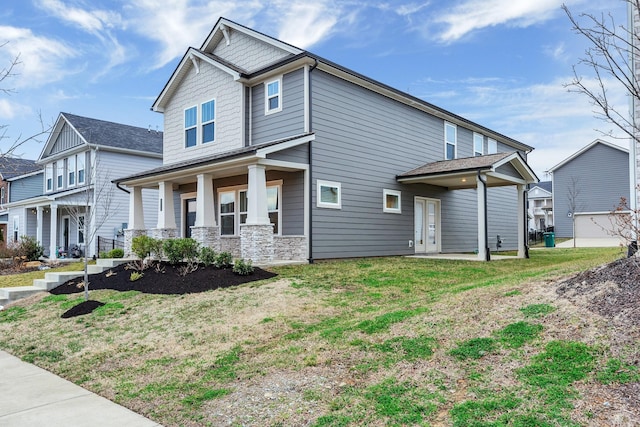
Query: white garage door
pixel 594 226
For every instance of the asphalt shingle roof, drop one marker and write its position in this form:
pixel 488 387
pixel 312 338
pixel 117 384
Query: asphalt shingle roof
pixel 11 167
pixel 116 135
pixel 457 165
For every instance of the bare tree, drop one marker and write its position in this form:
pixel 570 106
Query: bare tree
pixel 573 194
pixel 91 208
pixel 7 149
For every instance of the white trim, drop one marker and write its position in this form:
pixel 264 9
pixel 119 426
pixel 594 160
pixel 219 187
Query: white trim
pixel 395 193
pixel 236 189
pixel 455 142
pixel 268 97
pixel 330 184
pixel 183 212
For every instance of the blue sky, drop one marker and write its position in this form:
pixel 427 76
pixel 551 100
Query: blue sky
pixel 500 63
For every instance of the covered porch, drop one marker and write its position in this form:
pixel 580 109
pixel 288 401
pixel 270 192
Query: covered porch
pixel 481 173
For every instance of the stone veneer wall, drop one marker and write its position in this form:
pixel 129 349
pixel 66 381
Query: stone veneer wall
pixel 207 236
pixel 129 234
pixel 256 243
pixel 290 248
pixel 231 245
pixel 163 233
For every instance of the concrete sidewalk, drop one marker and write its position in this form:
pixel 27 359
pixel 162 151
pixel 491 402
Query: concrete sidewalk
pixel 31 396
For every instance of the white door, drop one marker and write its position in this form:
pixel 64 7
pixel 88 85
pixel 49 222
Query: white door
pixel 427 225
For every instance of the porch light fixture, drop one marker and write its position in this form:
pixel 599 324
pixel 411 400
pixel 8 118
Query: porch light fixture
pixel 464 179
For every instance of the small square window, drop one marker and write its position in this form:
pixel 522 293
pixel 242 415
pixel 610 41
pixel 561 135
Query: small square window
pixel 392 202
pixel 329 194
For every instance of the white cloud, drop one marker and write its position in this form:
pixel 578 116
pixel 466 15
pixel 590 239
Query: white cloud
pixel 304 24
pixel 42 59
pixel 91 21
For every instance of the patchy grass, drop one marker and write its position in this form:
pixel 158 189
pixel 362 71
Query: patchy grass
pixel 26 279
pixel 381 341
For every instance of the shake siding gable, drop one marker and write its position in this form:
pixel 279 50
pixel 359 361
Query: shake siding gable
pixel 195 89
pixel 289 121
pixel 247 52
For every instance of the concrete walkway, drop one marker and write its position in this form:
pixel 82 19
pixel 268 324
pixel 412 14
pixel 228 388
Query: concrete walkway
pixel 603 242
pixel 31 396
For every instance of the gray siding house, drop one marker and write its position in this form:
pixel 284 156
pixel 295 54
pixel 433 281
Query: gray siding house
pixel 274 153
pixel 11 168
pixel 73 186
pixel 587 187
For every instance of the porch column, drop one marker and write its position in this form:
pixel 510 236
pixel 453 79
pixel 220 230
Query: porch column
pixel 136 210
pixel 53 232
pixel 39 224
pixel 205 216
pixel 257 212
pixel 522 223
pixel 483 250
pixel 166 211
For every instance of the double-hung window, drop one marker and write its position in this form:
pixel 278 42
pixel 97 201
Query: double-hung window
pixel 191 127
pixel 478 144
pixel 80 159
pixel 71 171
pixel 492 146
pixel 450 141
pixel 48 183
pixel 273 96
pixel 208 121
pixel 59 175
pixel 233 205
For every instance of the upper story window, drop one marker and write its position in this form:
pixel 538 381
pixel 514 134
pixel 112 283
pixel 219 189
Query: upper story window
pixel 478 144
pixel 80 159
pixel 492 146
pixel 71 171
pixel 450 141
pixel 208 121
pixel 59 174
pixel 48 177
pixel 273 96
pixel 191 127
pixel 2 196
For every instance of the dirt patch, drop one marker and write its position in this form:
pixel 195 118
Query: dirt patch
pixel 164 280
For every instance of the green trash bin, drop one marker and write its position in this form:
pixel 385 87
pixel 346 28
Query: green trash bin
pixel 550 240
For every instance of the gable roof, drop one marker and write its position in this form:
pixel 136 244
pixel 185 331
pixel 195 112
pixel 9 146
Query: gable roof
pixel 105 134
pixel 587 148
pixel 11 167
pixel 300 56
pixel 544 185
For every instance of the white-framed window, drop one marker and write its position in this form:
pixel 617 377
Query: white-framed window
pixel 191 127
pixel 329 194
pixel 273 96
pixel 80 160
pixel 71 171
pixel 478 144
pixel 233 206
pixel 208 116
pixel 492 146
pixel 81 229
pixel 2 196
pixel 391 201
pixel 48 180
pixel 450 141
pixel 16 228
pixel 59 174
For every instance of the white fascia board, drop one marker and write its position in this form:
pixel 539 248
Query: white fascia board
pixel 263 152
pixel 26 175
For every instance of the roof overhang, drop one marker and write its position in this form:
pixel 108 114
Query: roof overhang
pixel 463 173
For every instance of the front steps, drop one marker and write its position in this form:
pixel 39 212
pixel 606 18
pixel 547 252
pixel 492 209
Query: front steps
pixel 51 280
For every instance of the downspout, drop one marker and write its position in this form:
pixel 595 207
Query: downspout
pixel 123 189
pixel 487 251
pixel 526 223
pixel 311 166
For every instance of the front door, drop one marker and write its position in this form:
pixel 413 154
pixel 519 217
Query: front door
pixel 190 220
pixel 427 225
pixel 65 233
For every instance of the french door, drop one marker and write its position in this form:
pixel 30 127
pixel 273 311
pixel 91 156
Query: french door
pixel 427 225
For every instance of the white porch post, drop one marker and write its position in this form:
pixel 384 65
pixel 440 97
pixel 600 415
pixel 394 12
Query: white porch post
pixel 166 211
pixel 482 219
pixel 39 224
pixel 522 224
pixel 257 211
pixel 136 211
pixel 53 232
pixel 204 202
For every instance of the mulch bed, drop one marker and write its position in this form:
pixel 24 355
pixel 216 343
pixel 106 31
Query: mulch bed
pixel 169 282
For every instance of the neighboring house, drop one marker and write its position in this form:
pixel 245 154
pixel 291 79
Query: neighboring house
pixel 11 167
pixel 587 188
pixel 79 160
pixel 273 153
pixel 541 206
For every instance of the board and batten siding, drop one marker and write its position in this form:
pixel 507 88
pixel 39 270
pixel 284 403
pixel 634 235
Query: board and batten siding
pixel 196 88
pixel 601 176
pixel 67 138
pixel 26 187
pixel 364 140
pixel 281 124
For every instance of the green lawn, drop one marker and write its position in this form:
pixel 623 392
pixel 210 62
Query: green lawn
pixel 378 341
pixel 26 279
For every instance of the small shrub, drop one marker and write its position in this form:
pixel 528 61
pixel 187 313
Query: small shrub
pixel 30 248
pixel 135 275
pixel 224 260
pixel 116 253
pixel 242 267
pixel 144 246
pixel 207 256
pixel 178 250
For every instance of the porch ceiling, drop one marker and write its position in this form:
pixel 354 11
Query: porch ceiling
pixel 462 173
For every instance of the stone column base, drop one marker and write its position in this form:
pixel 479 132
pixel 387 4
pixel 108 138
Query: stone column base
pixel 163 233
pixel 129 234
pixel 256 243
pixel 207 236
